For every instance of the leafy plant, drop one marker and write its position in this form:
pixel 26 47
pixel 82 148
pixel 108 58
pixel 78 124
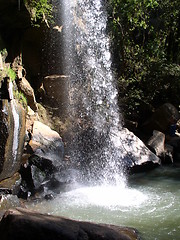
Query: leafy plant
pixel 41 10
pixel 11 74
pixel 21 98
pixel 146 41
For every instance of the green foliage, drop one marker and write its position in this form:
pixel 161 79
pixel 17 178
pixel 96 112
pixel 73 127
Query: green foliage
pixel 7 71
pixel 146 42
pixel 21 98
pixel 41 10
pixel 11 74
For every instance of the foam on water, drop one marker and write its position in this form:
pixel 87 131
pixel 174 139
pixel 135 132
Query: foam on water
pixel 111 197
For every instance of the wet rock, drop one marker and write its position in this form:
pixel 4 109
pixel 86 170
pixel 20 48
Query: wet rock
pixel 23 224
pixel 27 183
pixel 174 142
pixel 45 165
pixel 11 185
pixel 169 154
pixel 10 158
pixel 49 197
pixel 8 201
pixel 137 155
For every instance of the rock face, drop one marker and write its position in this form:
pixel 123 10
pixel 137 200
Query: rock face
pixel 12 138
pixel 21 224
pixel 56 90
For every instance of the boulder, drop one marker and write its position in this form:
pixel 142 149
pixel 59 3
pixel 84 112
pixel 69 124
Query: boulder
pixel 22 224
pixel 25 87
pixel 46 151
pixel 137 156
pixel 47 143
pixel 156 143
pixel 162 119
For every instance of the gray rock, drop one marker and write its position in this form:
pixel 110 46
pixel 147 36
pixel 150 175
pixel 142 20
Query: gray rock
pixel 138 156
pixel 156 143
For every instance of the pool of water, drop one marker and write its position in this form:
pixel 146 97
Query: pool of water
pixel 148 202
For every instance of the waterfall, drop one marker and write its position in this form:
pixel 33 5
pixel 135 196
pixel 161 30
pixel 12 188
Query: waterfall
pixel 16 123
pixel 93 106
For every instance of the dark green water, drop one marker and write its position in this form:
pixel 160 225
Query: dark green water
pixel 148 202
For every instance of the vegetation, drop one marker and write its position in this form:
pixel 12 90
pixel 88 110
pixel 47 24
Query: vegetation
pixel 7 71
pixel 21 98
pixel 11 74
pixel 146 42
pixel 41 10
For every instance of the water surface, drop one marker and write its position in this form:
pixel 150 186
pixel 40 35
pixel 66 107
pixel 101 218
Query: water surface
pixel 148 202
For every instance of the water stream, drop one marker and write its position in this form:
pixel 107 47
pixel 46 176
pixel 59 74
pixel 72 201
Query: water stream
pixel 149 202
pixel 16 123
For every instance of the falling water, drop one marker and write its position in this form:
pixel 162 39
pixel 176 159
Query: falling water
pixel 93 95
pixel 16 123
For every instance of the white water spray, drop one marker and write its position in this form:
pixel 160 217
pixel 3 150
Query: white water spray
pixel 93 93
pixel 16 123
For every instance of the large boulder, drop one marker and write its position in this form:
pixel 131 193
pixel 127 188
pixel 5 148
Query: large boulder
pixel 20 224
pixel 137 156
pixel 44 161
pixel 46 143
pixel 104 155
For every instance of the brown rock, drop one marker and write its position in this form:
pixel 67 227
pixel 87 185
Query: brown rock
pixel 10 183
pixel 46 143
pixel 22 224
pixel 25 87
